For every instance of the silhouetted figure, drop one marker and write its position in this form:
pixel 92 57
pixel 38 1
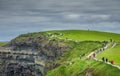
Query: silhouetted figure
pixel 103 59
pixel 94 55
pixel 100 49
pixel 106 60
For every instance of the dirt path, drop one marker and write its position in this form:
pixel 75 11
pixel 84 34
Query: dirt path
pixel 96 52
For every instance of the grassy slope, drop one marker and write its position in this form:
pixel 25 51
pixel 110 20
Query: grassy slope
pixel 112 54
pixel 73 56
pixel 80 48
pixel 88 35
pixel 79 66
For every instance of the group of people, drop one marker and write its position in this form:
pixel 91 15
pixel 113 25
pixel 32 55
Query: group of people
pixel 93 54
pixel 106 60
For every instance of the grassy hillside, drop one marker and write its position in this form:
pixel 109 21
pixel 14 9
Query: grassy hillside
pixel 83 35
pixel 80 68
pixel 79 65
pixel 112 54
pixel 72 65
pixel 74 61
pixel 81 48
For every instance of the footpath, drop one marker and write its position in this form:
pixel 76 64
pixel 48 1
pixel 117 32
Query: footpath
pixel 93 54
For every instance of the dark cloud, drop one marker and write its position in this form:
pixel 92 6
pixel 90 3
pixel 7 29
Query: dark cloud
pixel 22 16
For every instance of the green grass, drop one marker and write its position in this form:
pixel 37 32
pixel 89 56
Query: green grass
pixel 83 35
pixel 112 54
pixel 3 43
pixel 79 68
pixel 68 70
pixel 86 45
pixel 103 69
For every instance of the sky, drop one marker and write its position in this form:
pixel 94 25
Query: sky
pixel 24 16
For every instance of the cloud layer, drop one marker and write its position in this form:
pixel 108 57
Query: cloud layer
pixel 22 16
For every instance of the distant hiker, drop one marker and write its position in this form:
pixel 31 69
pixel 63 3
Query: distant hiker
pixel 106 60
pixel 103 49
pixel 105 43
pixel 112 62
pixel 103 59
pixel 100 49
pixel 83 54
pixel 111 40
pixel 94 55
pixel 90 57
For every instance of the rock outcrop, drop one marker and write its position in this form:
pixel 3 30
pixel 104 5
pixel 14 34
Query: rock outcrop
pixel 31 55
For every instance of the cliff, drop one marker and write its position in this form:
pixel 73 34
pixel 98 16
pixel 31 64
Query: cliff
pixel 31 54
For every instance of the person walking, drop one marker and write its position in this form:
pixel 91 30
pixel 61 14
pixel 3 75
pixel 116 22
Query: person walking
pixel 94 55
pixel 106 60
pixel 103 59
pixel 112 62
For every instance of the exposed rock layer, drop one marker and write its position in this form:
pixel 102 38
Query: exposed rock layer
pixel 31 55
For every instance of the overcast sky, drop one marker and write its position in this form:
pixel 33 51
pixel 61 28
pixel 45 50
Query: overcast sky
pixel 23 16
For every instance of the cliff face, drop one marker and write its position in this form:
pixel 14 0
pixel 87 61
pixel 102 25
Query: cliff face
pixel 31 55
